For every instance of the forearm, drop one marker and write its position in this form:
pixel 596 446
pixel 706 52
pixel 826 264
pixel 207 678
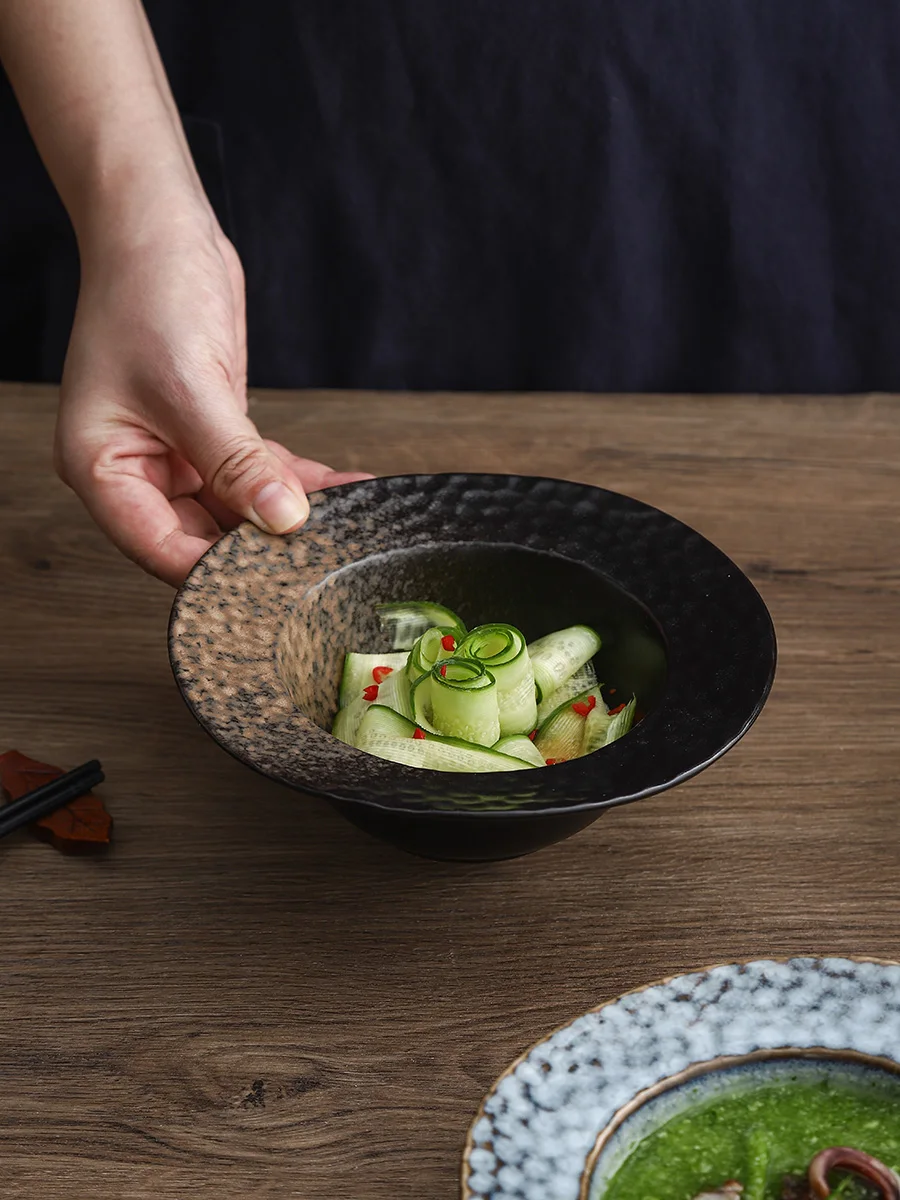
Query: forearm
pixel 94 94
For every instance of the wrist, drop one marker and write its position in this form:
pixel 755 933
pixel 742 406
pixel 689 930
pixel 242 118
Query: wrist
pixel 138 203
pixel 132 174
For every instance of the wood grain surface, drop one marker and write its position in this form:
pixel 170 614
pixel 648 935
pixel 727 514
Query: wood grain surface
pixel 248 997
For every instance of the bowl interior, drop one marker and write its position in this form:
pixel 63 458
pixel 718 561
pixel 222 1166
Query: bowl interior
pixel 709 1081
pixel 536 591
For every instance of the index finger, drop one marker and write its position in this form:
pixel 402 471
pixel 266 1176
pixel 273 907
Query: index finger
pixel 164 540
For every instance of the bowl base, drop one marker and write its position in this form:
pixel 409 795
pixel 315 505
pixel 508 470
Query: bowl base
pixel 453 837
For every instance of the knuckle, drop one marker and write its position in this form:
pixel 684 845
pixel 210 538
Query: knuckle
pixel 242 468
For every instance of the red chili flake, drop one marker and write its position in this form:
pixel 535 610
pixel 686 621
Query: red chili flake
pixel 419 735
pixel 448 642
pixel 612 691
pixel 371 692
pixel 583 707
pixel 617 709
pixel 444 671
pixel 380 674
pixel 551 762
pixel 533 734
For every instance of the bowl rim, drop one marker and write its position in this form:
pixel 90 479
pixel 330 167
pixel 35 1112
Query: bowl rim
pixel 546 806
pixel 466 1192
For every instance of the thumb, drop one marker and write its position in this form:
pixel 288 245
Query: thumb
pixel 243 473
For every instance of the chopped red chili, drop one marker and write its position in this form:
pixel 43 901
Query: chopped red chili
pixel 551 762
pixel 583 707
pixel 617 709
pixel 419 735
pixel 371 692
pixel 444 671
pixel 612 691
pixel 380 674
pixel 533 734
pixel 448 642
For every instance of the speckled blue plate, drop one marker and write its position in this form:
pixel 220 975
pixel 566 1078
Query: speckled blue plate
pixel 553 1122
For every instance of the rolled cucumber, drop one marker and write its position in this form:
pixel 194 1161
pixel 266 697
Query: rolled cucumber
pixel 434 646
pixel 520 746
pixel 557 656
pixel 357 674
pixel 408 620
pixel 583 679
pixel 459 699
pixel 561 735
pixel 502 650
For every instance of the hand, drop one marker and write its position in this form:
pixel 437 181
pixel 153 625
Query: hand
pixel 153 432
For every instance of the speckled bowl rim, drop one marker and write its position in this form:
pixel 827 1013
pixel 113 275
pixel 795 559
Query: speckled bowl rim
pixel 702 1067
pixel 531 807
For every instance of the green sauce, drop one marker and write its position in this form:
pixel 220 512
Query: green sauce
pixel 759 1135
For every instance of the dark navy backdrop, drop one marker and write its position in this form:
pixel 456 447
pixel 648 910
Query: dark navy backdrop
pixel 593 194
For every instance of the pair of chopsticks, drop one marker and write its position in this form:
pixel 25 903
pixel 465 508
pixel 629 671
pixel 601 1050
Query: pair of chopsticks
pixel 50 796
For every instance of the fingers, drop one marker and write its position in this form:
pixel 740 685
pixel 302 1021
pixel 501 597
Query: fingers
pixel 314 476
pixel 164 537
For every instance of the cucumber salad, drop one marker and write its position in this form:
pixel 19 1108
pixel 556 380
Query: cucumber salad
pixel 447 699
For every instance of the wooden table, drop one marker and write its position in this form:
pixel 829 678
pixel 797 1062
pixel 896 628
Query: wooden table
pixel 276 1006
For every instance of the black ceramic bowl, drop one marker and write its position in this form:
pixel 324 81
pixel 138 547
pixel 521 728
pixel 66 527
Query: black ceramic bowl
pixel 259 630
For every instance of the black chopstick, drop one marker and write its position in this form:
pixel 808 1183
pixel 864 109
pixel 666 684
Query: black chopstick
pixel 50 796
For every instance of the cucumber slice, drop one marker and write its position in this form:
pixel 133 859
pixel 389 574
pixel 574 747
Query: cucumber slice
pixel 596 726
pixel 520 746
pixel 408 620
pixel 429 650
pixel 561 735
pixel 358 668
pixel 348 719
pixel 502 650
pixel 395 697
pixel 381 722
pixel 621 722
pixel 459 699
pixel 443 754
pixel 557 656
pixel 585 677
pixel 395 693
